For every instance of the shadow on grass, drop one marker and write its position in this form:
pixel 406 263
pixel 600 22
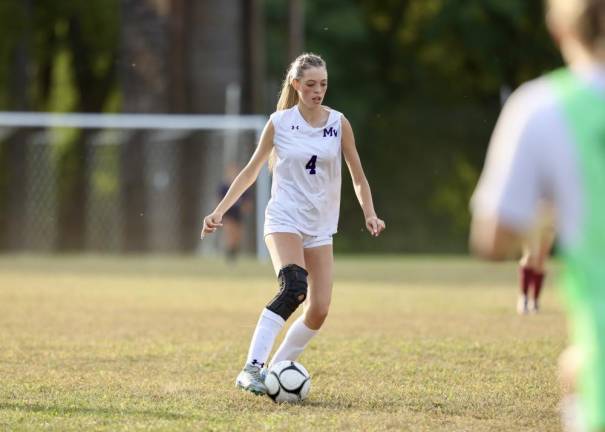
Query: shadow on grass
pixel 331 404
pixel 59 410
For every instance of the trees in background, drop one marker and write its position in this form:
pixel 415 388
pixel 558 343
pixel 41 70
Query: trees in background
pixel 60 55
pixel 148 56
pixel 420 80
pixel 178 56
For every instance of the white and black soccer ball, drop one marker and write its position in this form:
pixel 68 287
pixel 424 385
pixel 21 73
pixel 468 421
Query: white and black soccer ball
pixel 288 381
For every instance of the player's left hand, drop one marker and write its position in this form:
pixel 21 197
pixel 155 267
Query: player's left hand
pixel 375 225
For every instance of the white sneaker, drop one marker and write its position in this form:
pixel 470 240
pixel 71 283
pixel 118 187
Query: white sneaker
pixel 252 379
pixel 522 305
pixel 533 306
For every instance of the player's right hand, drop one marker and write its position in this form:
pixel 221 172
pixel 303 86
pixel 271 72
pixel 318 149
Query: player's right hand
pixel 375 225
pixel 211 223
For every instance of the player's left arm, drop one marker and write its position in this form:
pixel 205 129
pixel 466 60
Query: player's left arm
pixel 360 182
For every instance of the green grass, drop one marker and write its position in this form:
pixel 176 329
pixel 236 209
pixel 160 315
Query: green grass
pixel 411 344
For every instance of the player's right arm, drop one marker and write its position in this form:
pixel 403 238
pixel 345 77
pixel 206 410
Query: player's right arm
pixel 243 181
pixel 505 199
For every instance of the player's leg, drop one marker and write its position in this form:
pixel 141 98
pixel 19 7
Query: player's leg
pixel 526 275
pixel 320 263
pixel 286 252
pixel 232 229
pixel 541 242
pixel 539 266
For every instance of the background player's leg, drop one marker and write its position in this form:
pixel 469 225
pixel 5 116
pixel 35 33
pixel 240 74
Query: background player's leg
pixel 233 237
pixel 320 263
pixel 539 265
pixel 526 275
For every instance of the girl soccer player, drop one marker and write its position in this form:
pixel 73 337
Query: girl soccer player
pixel 549 144
pixel 303 140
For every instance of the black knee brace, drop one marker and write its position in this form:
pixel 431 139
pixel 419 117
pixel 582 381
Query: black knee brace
pixel 292 291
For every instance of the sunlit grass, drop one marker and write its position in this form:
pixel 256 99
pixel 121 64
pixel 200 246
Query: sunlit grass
pixel 418 344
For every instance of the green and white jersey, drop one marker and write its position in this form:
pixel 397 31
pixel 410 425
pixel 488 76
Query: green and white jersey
pixel 549 144
pixel 534 156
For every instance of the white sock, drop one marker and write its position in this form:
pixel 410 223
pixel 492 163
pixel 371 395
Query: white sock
pixel 571 414
pixel 294 343
pixel 268 327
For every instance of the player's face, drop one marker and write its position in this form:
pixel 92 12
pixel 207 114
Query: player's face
pixel 312 86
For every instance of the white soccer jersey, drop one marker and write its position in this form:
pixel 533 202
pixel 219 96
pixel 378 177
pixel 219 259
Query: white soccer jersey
pixel 531 148
pixel 305 193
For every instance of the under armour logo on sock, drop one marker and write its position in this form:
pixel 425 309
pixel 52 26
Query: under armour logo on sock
pixel 294 127
pixel 257 363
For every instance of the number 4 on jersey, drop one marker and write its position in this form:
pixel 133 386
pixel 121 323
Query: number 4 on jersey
pixel 311 165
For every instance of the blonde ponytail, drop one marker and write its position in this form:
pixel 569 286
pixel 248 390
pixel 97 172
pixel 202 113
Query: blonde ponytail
pixel 288 96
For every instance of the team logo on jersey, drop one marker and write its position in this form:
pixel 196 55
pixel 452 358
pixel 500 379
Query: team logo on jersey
pixel 294 127
pixel 330 132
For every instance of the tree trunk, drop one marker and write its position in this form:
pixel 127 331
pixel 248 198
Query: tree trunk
pixel 216 47
pixel 144 71
pixel 178 56
pixel 93 89
pixel 12 207
pixel 255 58
pixel 296 28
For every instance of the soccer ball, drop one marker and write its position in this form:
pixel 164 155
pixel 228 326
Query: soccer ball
pixel 287 381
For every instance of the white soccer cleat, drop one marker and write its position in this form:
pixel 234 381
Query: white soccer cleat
pixel 251 378
pixel 522 305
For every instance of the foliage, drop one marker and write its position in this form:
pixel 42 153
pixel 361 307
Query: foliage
pixel 420 81
pixel 61 56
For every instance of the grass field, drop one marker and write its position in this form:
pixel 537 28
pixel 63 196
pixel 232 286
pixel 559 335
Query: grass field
pixel 411 344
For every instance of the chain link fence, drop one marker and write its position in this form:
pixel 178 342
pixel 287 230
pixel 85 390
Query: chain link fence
pixel 179 172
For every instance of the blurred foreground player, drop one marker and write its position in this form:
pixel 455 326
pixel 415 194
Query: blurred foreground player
pixel 549 144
